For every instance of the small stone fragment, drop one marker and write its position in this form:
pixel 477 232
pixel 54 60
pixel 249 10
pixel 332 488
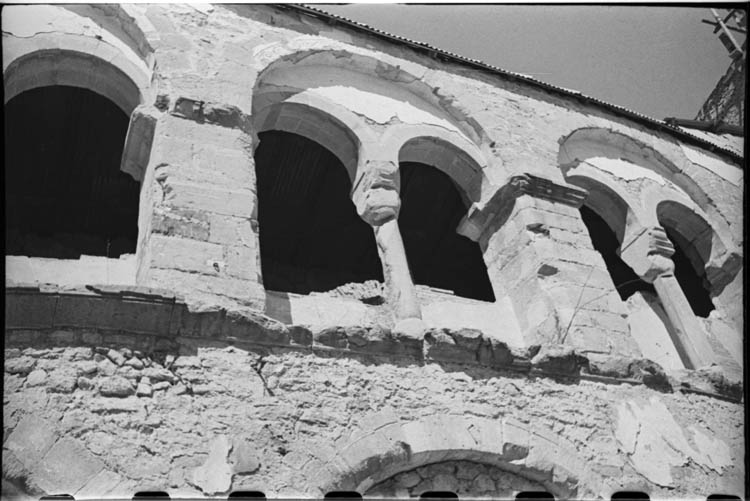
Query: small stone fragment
pixel 135 363
pixel 161 385
pixel 87 367
pixel 126 352
pixel 178 389
pixel 144 390
pixel 116 357
pixel 85 383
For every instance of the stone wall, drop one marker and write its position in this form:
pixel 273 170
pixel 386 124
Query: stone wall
pixel 292 412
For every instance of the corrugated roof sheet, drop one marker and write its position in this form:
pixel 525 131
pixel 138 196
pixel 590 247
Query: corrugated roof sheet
pixel 712 144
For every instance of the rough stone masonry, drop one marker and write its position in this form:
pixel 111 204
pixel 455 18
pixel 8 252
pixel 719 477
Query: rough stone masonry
pixel 176 367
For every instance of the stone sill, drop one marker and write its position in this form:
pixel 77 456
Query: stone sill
pixel 157 321
pixel 71 272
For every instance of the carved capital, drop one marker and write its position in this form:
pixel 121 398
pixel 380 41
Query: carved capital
pixel 649 253
pixel 379 205
pixel 376 193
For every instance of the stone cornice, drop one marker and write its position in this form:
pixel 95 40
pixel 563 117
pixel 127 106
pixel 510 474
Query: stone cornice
pixel 153 320
pixel 479 217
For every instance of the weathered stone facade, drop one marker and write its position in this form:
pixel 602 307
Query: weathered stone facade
pixel 178 369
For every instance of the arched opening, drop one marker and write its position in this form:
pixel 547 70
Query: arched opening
pixel 605 241
pixel 65 193
pixel 453 480
pixel 693 241
pixel 692 278
pixel 311 238
pixel 431 208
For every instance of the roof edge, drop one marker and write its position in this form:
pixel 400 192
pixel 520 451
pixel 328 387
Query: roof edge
pixel 477 64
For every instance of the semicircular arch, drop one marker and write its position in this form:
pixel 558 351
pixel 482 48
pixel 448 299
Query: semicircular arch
pixel 449 152
pixel 590 142
pixel 622 213
pixel 326 123
pixel 79 56
pixel 390 450
pixel 306 63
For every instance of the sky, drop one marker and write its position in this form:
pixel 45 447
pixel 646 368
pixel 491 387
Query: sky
pixel 657 60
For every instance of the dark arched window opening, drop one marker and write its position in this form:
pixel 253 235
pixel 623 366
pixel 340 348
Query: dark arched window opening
pixel 65 194
pixel 311 238
pixel 604 240
pixel 431 208
pixel 692 281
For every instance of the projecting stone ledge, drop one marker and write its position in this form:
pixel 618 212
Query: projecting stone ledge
pixel 143 319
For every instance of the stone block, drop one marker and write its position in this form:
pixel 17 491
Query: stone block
pixel 31 439
pixel 185 254
pixel 196 286
pixel 29 310
pixel 116 386
pixel 176 222
pixel 79 310
pixel 253 328
pixel 230 202
pixel 232 230
pixel 242 262
pixel 300 335
pixel 66 467
pixel 21 365
pixel 334 337
pixel 36 378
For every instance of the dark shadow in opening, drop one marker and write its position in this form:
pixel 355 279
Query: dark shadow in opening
pixel 538 495
pixel 692 281
pixel 247 495
pixel 150 495
pixel 431 208
pixel 629 496
pixel 65 194
pixel 311 238
pixel 343 495
pixel 605 242
pixel 438 495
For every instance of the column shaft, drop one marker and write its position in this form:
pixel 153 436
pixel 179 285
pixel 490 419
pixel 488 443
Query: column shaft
pixel 691 343
pixel 400 290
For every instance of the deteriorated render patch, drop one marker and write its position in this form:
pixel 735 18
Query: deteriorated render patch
pixel 318 258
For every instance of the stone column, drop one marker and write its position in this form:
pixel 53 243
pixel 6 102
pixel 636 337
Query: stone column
pixel 540 258
pixel 649 254
pixel 376 196
pixel 198 231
